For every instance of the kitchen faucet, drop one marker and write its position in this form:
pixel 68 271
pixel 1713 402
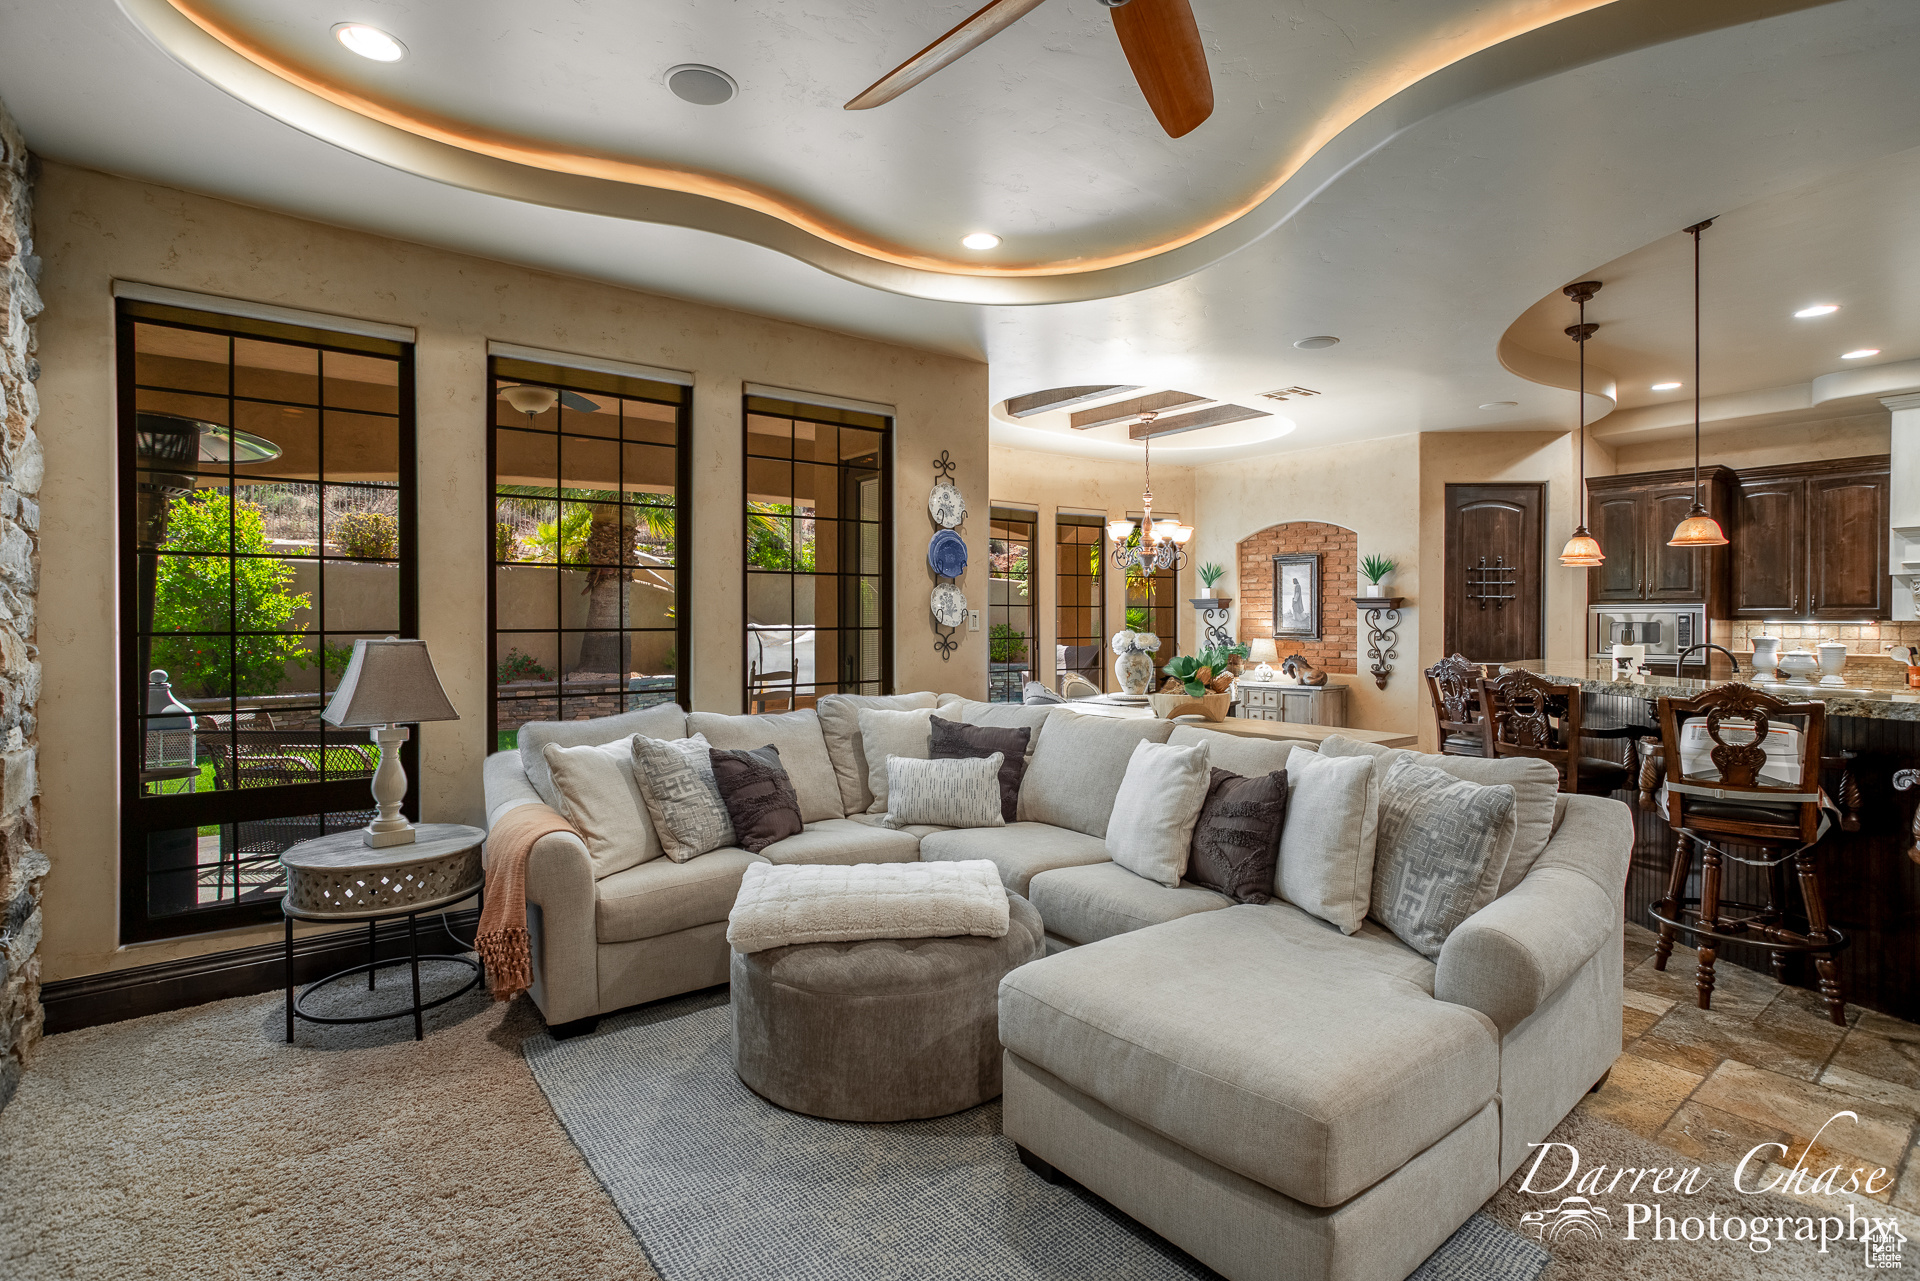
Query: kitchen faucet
pixel 1682 660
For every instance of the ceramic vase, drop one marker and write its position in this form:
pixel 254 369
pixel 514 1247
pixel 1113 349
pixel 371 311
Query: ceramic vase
pixel 1798 664
pixel 1135 672
pixel 1766 656
pixel 1833 661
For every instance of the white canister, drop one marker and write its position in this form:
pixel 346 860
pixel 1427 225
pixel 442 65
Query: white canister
pixel 1833 661
pixel 1766 656
pixel 1798 664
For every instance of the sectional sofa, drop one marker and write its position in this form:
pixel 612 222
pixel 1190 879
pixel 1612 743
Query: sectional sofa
pixel 1276 1097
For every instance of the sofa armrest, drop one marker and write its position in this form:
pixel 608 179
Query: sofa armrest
pixel 1509 957
pixel 504 784
pixel 560 915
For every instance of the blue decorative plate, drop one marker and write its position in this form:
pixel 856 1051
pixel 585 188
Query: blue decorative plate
pixel 947 554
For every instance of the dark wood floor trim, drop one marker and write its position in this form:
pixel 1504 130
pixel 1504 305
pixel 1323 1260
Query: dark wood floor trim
pixel 246 971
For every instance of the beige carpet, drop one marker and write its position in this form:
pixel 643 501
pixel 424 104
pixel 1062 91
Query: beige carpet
pixel 197 1144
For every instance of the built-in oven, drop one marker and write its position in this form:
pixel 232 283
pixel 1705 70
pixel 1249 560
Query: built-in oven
pixel 1667 633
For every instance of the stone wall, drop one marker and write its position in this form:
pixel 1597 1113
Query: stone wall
pixel 22 865
pixel 1338 648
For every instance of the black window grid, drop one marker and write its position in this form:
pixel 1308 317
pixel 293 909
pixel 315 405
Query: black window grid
pixel 1080 609
pixel 1012 638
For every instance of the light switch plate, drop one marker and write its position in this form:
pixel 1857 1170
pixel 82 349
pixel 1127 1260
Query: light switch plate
pixel 973 620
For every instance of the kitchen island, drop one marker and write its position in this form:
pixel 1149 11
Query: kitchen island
pixel 1871 880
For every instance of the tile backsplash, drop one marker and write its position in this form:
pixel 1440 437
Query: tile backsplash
pixel 1866 642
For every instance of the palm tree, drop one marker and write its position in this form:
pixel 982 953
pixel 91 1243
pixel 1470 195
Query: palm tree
pixel 606 552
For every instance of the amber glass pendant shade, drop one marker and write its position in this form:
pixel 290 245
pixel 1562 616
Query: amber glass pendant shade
pixel 1582 550
pixel 1698 530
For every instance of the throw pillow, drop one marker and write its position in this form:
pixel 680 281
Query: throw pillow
pixel 885 734
pixel 1327 838
pixel 840 727
pixel 676 778
pixel 1443 844
pixel 949 793
pixel 758 795
pixel 600 796
pixel 1236 839
pixel 953 740
pixel 1151 831
pixel 664 720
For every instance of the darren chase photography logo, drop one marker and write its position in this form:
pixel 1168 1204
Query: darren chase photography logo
pixel 1651 1204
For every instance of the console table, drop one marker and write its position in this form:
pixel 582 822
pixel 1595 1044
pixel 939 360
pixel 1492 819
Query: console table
pixel 1297 704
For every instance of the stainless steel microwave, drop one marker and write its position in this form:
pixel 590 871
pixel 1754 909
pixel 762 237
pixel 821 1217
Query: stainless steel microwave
pixel 1667 633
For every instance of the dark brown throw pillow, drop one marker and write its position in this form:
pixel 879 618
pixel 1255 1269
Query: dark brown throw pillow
pixel 1236 840
pixel 955 740
pixel 758 795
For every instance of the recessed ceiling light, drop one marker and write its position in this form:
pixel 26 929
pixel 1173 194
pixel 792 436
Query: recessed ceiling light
pixel 1500 404
pixel 1861 354
pixel 981 240
pixel 1316 342
pixel 1818 309
pixel 1666 386
pixel 701 85
pixel 369 42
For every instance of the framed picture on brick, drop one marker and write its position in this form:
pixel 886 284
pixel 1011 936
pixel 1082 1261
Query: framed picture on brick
pixel 1296 596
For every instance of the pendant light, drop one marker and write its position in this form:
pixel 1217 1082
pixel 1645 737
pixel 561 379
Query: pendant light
pixel 1583 549
pixel 1698 529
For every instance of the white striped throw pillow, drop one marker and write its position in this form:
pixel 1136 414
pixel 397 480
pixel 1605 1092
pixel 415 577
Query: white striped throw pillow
pixel 963 792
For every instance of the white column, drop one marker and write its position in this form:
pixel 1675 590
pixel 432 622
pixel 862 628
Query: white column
pixel 1903 502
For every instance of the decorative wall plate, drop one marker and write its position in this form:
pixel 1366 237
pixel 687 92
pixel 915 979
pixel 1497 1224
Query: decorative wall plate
pixel 945 505
pixel 947 554
pixel 949 605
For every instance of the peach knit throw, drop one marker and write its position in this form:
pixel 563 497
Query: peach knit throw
pixel 502 940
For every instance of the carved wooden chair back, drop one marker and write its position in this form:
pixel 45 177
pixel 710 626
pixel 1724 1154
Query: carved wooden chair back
pixel 1529 715
pixel 1734 793
pixel 1453 690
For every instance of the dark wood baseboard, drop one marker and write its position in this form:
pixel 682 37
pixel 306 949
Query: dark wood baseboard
pixel 246 971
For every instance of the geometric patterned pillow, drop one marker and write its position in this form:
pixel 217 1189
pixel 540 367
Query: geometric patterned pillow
pixel 676 781
pixel 1443 843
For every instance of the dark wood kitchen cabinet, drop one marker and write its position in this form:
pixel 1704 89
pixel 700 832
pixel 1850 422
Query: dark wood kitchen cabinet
pixel 1810 540
pixel 1633 516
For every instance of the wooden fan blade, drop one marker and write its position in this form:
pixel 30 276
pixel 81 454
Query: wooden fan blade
pixel 963 39
pixel 1162 44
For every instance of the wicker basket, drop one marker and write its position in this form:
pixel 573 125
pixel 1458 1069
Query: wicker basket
pixel 1212 706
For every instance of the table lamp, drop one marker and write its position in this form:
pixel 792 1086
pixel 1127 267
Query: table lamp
pixel 388 685
pixel 1263 651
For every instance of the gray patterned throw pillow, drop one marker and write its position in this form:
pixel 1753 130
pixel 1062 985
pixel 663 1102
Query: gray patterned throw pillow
pixel 676 782
pixel 950 793
pixel 1443 844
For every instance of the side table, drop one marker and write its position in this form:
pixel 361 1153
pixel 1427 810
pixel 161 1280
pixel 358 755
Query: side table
pixel 339 877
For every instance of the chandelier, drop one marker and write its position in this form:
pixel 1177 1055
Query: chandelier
pixel 1161 541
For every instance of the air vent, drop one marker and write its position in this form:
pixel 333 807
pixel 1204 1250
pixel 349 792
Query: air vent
pixel 1288 393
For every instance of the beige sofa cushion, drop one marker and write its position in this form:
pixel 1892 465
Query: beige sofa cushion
pixel 1077 766
pixel 844 841
pixel 970 711
pixel 1536 788
pixel 664 897
pixel 1239 754
pixel 886 734
pixel 665 721
pixel 1309 1061
pixel 840 727
pixel 803 752
pixel 1328 837
pixel 1151 829
pixel 600 795
pixel 1099 900
pixel 1019 850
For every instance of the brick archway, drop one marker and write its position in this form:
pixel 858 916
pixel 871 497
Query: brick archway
pixel 1338 648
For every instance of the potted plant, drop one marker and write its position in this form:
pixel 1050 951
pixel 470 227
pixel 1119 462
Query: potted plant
pixel 1378 571
pixel 1210 574
pixel 1206 686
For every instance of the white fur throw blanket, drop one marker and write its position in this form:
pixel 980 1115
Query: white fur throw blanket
pixel 805 903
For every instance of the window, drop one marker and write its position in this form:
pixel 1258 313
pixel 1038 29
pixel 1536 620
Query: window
pixel 1080 603
pixel 1010 609
pixel 267 520
pixel 588 615
pixel 1153 603
pixel 819 538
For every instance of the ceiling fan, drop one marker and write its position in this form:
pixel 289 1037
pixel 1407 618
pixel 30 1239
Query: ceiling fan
pixel 1159 37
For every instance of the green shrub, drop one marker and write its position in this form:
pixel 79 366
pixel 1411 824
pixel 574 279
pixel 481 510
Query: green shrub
pixel 1005 645
pixel 191 595
pixel 519 667
pixel 367 535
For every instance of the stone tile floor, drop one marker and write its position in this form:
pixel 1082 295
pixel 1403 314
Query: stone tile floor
pixel 1764 1066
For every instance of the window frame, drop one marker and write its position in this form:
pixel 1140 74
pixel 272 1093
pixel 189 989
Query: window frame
pixel 1102 560
pixel 998 514
pixel 141 814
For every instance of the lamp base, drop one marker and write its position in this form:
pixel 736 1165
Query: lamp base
pixel 380 840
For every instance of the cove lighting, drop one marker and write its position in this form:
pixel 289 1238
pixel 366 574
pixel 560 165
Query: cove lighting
pixel 1861 354
pixel 369 42
pixel 1666 387
pixel 981 240
pixel 1818 309
pixel 1500 404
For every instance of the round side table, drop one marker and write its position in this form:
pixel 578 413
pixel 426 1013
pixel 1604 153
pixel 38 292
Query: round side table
pixel 339 877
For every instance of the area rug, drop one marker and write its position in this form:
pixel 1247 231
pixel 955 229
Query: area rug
pixel 719 1185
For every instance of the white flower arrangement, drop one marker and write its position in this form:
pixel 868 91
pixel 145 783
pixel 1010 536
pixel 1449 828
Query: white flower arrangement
pixel 1125 642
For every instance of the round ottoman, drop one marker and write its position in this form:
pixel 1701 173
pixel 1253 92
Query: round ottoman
pixel 879 1030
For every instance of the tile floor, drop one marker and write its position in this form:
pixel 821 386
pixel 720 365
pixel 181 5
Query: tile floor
pixel 1764 1066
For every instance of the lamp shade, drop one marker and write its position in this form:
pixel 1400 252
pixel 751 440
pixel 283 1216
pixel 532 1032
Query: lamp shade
pixel 1698 530
pixel 1119 530
pixel 388 682
pixel 1582 550
pixel 1262 650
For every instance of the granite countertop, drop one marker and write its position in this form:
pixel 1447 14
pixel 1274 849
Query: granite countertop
pixel 1872 697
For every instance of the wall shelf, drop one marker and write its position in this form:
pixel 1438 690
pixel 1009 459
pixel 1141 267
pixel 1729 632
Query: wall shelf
pixel 1382 614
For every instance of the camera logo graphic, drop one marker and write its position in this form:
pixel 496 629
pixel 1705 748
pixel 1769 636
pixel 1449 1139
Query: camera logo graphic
pixel 1573 1218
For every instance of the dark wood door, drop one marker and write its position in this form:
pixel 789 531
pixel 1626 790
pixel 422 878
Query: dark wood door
pixel 1847 546
pixel 1673 573
pixel 1495 556
pixel 1770 548
pixel 1619 522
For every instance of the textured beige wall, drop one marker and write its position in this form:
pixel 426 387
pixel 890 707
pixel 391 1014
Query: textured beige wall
pixel 1850 437
pixel 1048 482
pixel 94 228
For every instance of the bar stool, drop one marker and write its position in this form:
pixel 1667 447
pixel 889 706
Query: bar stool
pixel 1528 715
pixel 1753 779
pixel 1452 688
